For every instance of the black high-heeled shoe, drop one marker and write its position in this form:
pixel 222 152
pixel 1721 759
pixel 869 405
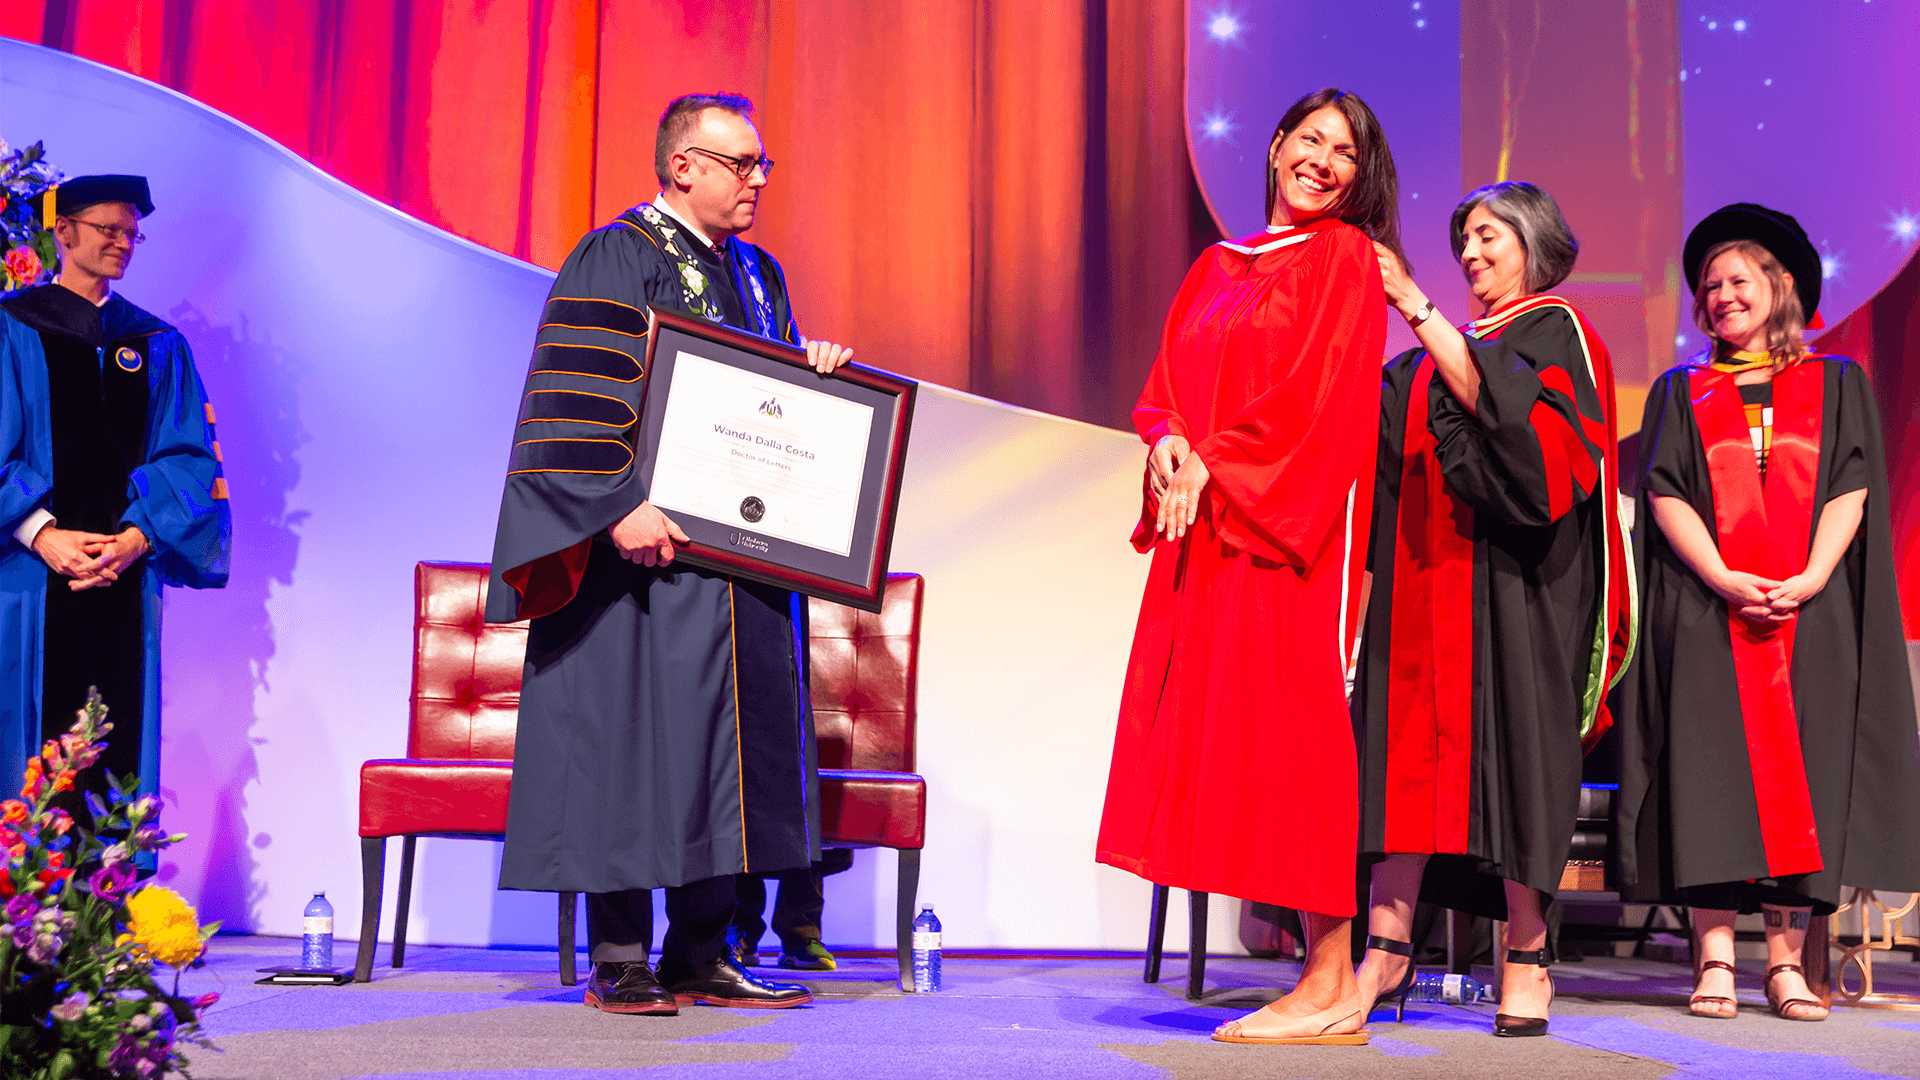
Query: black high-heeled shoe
pixel 1398 995
pixel 1521 1027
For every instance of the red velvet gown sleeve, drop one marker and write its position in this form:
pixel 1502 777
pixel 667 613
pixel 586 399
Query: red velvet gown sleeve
pixel 1157 414
pixel 1535 451
pixel 1285 464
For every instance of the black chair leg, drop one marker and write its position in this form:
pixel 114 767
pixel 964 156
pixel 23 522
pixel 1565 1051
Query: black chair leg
pixel 1196 944
pixel 907 892
pixel 1156 933
pixel 405 901
pixel 569 963
pixel 373 877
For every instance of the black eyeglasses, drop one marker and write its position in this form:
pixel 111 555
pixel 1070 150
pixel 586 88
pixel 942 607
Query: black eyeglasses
pixel 742 166
pixel 114 233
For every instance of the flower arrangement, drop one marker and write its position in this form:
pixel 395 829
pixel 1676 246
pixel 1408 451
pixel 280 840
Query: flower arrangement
pixel 30 251
pixel 79 944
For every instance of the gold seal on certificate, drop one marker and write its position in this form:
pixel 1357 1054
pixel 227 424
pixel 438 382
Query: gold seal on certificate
pixel 776 472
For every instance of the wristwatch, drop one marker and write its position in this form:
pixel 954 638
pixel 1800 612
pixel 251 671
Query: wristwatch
pixel 1425 313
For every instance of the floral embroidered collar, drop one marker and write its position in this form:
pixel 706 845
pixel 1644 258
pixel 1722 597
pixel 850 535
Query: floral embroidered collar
pixel 677 238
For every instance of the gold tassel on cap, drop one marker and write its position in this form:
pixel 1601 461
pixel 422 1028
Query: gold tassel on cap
pixel 46 207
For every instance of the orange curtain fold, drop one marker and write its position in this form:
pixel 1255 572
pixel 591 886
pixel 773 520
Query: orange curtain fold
pixel 989 194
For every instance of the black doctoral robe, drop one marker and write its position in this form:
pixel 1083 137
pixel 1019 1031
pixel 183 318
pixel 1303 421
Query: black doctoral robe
pixel 1498 610
pixel 1688 814
pixel 665 734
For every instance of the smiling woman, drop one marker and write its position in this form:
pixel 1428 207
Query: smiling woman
pixel 1260 411
pixel 1329 156
pixel 1768 576
pixel 1501 605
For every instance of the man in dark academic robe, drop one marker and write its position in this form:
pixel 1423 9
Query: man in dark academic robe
pixel 665 736
pixel 110 487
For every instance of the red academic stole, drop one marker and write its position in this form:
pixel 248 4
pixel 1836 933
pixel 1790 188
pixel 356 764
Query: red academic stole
pixel 1430 669
pixel 1429 781
pixel 1767 529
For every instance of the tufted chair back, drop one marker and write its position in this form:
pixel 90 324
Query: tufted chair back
pixel 466 674
pixel 865 670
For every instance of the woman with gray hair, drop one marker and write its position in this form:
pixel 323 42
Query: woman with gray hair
pixel 1501 598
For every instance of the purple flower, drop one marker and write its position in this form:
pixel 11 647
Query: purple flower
pixel 125 1053
pixel 44 948
pixel 21 908
pixel 22 934
pixel 109 883
pixel 69 1010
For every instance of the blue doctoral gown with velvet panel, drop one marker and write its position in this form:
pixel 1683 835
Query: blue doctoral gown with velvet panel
pixel 175 494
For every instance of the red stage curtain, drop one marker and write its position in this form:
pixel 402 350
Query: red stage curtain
pixel 1884 335
pixel 994 195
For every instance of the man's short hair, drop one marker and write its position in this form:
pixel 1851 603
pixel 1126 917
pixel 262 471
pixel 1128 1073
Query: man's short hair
pixel 678 122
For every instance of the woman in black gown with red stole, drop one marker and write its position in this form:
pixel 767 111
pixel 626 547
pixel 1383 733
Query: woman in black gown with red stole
pixel 1501 604
pixel 1768 741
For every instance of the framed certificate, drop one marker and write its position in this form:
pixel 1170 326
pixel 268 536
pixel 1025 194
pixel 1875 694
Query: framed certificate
pixel 775 472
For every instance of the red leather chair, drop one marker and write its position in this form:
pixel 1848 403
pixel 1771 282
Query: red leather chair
pixel 865 686
pixel 458 770
pixel 459 764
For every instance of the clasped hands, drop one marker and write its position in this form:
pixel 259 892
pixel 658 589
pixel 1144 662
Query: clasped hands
pixel 1760 599
pixel 647 536
pixel 1176 477
pixel 92 560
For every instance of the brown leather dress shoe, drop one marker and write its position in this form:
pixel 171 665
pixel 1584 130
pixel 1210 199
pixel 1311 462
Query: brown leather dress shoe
pixel 629 988
pixel 721 981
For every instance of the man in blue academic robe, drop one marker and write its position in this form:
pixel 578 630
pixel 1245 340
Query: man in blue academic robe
pixel 665 739
pixel 110 487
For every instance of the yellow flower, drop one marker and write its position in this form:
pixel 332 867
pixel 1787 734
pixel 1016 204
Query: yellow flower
pixel 164 926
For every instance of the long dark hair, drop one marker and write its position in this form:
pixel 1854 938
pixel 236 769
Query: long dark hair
pixel 1372 203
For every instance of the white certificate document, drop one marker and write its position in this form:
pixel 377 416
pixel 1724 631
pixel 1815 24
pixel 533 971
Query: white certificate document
pixel 775 458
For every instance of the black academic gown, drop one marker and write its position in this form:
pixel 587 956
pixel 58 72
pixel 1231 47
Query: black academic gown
pixel 1688 814
pixel 1485 644
pixel 665 735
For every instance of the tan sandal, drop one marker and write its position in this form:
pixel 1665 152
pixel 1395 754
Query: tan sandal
pixel 1698 998
pixel 1229 1032
pixel 1780 1007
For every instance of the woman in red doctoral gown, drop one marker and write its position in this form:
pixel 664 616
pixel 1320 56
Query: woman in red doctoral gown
pixel 1261 410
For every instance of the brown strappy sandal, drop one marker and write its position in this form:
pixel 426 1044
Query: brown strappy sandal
pixel 1698 998
pixel 1780 1007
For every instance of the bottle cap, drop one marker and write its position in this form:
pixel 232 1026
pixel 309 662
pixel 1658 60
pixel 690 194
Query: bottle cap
pixel 319 892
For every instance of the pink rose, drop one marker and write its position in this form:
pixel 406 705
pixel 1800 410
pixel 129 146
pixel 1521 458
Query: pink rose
pixel 23 264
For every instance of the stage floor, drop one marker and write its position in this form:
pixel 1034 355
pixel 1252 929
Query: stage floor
pixel 500 1014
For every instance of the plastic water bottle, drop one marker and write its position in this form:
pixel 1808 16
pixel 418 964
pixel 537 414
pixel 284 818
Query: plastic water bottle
pixel 926 951
pixel 1449 989
pixel 316 944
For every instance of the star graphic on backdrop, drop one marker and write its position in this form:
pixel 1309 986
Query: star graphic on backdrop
pixel 1832 265
pixel 1218 126
pixel 1903 227
pixel 1224 25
